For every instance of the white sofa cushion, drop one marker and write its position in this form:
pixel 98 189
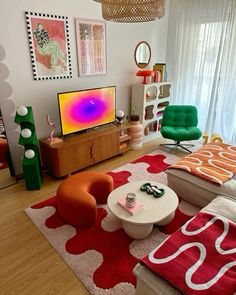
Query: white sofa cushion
pixel 224 206
pixel 196 190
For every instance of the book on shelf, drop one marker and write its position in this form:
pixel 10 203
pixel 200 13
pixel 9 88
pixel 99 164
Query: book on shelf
pixel 134 210
pixel 161 67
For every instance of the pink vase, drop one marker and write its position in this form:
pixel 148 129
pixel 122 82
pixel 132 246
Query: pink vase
pixel 136 132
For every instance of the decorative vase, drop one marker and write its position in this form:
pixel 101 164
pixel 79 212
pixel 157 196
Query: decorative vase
pixel 136 132
pixel 146 130
pixel 155 126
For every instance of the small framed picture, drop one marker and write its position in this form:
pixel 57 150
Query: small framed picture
pixel 91 47
pixel 49 45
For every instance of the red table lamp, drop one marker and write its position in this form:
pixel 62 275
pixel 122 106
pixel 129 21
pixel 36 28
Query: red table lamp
pixel 145 74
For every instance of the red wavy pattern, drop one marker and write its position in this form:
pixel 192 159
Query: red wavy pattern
pixel 118 262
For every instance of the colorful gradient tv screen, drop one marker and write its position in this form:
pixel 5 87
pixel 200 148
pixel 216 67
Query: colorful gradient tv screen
pixel 84 109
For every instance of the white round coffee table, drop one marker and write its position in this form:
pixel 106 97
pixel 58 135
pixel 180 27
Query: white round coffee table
pixel 156 210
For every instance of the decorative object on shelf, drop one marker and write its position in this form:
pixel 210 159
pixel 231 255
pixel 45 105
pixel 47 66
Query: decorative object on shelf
pixel 152 90
pixel 157 76
pixel 145 115
pixel 161 68
pixel 52 139
pixel 142 54
pixel 161 93
pixel 91 46
pixel 136 132
pixel 31 160
pixel 160 113
pixel 120 115
pixel 154 126
pixel 49 45
pixel 145 74
pixel 215 137
pixel 146 130
pixel 152 190
pixel 132 11
pixel 148 94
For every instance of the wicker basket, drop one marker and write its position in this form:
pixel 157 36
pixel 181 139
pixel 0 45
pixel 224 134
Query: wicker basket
pixel 132 10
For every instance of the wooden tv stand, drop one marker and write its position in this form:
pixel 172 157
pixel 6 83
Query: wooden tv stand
pixel 82 150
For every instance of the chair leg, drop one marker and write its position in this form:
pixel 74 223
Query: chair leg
pixel 188 144
pixel 177 144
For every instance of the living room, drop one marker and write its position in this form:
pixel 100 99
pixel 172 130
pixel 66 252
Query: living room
pixel 29 264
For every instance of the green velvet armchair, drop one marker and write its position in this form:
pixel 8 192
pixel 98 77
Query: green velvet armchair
pixel 179 123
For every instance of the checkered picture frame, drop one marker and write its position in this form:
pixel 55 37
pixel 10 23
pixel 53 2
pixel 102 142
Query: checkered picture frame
pixel 36 75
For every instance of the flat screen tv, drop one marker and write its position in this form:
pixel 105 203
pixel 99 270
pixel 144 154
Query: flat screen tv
pixel 85 109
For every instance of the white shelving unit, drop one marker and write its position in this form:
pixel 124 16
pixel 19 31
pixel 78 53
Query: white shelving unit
pixel 149 101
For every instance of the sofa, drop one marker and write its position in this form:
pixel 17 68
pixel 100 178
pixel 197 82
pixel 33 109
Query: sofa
pixel 196 190
pixel 205 174
pixel 213 231
pixel 150 283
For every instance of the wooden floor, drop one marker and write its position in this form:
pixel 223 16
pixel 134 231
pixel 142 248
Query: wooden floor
pixel 28 264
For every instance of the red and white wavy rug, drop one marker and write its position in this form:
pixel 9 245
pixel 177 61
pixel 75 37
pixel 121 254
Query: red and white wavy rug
pixel 103 256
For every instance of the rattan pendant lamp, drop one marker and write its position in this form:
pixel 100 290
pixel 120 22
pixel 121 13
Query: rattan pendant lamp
pixel 132 11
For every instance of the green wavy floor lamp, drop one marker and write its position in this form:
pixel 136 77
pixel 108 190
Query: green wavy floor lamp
pixel 31 160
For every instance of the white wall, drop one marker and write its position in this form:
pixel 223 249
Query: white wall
pixel 19 88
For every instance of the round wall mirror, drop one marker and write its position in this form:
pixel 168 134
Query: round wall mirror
pixel 142 54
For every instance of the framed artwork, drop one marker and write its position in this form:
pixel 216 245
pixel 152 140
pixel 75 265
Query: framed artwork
pixel 91 47
pixel 49 46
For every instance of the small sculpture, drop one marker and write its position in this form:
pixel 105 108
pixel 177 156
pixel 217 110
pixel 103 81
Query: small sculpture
pixel 120 115
pixel 52 139
pixel 213 139
pixel 152 190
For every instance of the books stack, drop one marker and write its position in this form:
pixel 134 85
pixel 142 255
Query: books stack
pixel 161 68
pixel 134 210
